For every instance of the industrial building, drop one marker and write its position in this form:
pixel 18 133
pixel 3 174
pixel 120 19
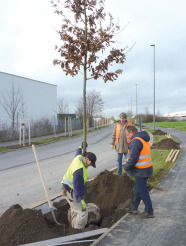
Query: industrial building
pixel 181 114
pixel 36 99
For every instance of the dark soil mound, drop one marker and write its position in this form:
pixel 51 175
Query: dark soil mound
pixel 166 144
pixel 18 226
pixel 159 132
pixel 110 192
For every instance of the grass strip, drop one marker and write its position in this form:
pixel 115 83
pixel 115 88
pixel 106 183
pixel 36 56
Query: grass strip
pixel 178 125
pixel 4 149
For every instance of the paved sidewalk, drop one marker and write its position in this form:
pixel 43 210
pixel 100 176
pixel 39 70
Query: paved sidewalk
pixel 169 202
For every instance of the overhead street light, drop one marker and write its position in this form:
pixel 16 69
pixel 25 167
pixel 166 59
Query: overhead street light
pixel 136 104
pixel 153 45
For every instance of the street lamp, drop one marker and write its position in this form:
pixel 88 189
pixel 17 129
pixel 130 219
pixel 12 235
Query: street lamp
pixel 153 45
pixel 136 104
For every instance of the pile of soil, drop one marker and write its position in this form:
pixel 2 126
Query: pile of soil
pixel 159 132
pixel 111 193
pixel 166 144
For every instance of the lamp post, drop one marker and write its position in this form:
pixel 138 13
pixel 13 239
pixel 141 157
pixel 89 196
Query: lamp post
pixel 153 45
pixel 136 104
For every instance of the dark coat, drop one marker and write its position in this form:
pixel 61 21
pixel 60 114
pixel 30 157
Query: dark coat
pixel 135 148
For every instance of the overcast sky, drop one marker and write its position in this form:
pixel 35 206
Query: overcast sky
pixel 28 38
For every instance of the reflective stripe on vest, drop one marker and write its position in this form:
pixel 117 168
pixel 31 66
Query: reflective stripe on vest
pixel 74 166
pixel 117 133
pixel 144 160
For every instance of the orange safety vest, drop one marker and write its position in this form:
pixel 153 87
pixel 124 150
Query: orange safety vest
pixel 144 160
pixel 117 133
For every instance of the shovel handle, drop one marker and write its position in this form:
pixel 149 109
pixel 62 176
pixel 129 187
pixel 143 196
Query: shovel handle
pixel 41 176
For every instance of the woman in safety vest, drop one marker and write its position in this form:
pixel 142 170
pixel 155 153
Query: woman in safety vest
pixel 139 165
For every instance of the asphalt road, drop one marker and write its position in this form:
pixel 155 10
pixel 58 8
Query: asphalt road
pixel 20 182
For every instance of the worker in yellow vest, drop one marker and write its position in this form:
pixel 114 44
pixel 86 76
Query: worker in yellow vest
pixel 120 140
pixel 74 188
pixel 139 165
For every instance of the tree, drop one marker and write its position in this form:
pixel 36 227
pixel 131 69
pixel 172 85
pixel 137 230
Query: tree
pixel 83 40
pixel 62 106
pixel 11 103
pixel 94 105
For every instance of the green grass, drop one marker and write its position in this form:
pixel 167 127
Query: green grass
pixel 4 149
pixel 160 167
pixel 158 138
pixel 178 125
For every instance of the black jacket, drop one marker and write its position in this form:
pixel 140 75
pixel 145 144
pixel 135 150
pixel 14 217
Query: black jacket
pixel 135 147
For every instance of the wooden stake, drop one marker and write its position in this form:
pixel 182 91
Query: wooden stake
pixel 173 153
pixel 169 156
pixel 177 152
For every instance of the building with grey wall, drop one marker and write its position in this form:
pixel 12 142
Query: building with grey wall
pixel 38 99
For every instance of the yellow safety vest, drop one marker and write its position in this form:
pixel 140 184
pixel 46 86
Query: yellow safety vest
pixel 74 166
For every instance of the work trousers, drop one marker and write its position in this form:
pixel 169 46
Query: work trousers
pixel 77 218
pixel 120 157
pixel 141 193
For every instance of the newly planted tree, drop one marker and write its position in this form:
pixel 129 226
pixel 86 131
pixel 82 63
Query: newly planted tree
pixel 87 36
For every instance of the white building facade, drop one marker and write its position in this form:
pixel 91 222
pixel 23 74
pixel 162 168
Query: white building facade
pixel 38 99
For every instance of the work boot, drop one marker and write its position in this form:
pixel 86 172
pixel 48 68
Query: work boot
pixel 132 211
pixel 145 215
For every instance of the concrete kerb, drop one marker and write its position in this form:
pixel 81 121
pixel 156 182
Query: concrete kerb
pixel 110 229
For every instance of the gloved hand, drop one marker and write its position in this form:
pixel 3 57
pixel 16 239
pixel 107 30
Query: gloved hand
pixel 84 205
pixel 112 146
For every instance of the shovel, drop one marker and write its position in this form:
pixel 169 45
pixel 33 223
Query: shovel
pixel 44 186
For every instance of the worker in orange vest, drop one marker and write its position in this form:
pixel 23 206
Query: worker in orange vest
pixel 120 140
pixel 139 165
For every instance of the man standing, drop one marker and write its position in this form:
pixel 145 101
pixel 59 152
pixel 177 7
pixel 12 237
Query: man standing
pixel 139 165
pixel 120 140
pixel 74 188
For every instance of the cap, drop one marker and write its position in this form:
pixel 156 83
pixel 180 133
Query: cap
pixel 92 157
pixel 123 115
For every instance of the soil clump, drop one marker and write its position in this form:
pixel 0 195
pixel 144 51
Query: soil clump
pixel 166 144
pixel 159 132
pixel 110 192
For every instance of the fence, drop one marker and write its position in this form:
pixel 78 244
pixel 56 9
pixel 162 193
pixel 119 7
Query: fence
pixel 28 128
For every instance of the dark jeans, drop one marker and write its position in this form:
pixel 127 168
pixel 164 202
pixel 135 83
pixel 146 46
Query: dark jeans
pixel 120 156
pixel 141 193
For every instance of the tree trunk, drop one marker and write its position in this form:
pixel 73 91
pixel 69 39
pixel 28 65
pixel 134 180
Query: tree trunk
pixel 84 87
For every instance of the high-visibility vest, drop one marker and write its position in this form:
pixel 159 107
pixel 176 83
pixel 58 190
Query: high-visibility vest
pixel 74 166
pixel 117 133
pixel 144 160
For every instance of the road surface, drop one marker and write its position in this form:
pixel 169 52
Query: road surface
pixel 19 177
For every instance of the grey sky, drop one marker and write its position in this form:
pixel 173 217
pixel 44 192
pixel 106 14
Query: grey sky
pixel 27 49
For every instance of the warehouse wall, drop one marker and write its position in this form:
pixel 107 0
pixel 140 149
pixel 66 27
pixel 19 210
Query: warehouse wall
pixel 40 99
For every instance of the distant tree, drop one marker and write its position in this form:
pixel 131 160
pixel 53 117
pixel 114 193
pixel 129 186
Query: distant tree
pixel 94 105
pixel 62 106
pixel 11 103
pixel 84 41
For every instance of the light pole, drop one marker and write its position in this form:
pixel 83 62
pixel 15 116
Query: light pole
pixel 136 104
pixel 153 45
